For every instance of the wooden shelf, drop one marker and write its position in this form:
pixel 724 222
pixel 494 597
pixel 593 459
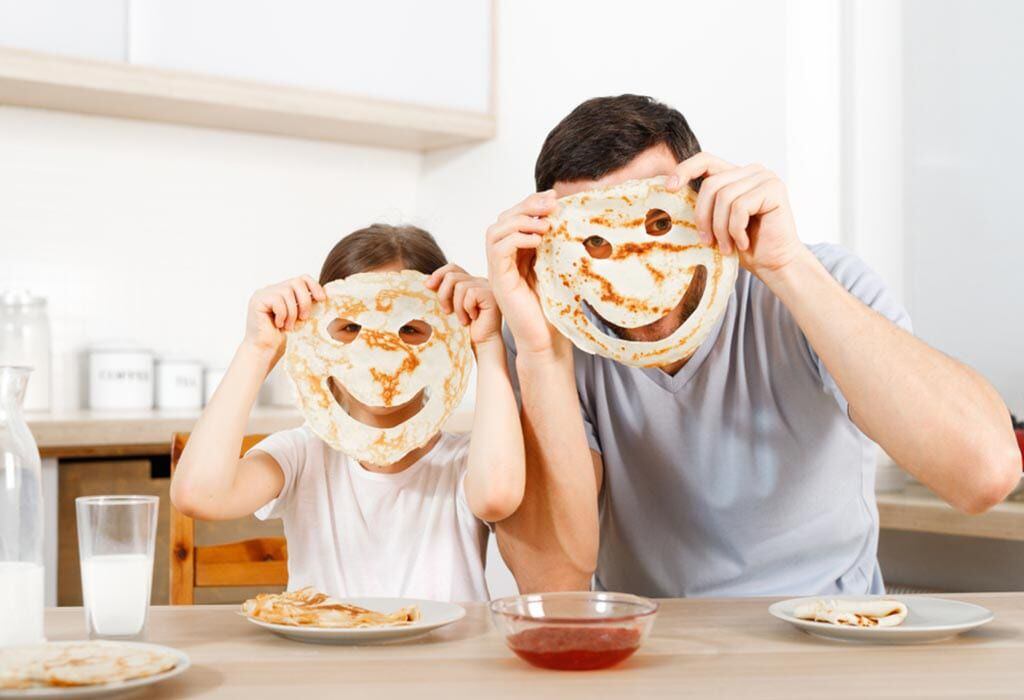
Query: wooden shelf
pixel 918 511
pixel 40 80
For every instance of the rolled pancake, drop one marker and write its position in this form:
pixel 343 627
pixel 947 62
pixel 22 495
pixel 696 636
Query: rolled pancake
pixel 854 613
pixel 377 367
pixel 642 276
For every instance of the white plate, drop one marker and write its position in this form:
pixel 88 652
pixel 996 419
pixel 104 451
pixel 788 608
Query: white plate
pixel 106 689
pixel 928 620
pixel 433 614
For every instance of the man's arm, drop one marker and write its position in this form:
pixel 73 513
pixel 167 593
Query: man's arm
pixel 550 542
pixel 936 417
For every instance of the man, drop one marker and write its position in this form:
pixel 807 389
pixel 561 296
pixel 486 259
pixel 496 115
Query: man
pixel 746 468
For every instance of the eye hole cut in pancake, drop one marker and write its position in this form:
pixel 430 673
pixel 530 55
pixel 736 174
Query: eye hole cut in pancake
pixel 343 330
pixel 658 222
pixel 598 247
pixel 415 332
pixel 682 311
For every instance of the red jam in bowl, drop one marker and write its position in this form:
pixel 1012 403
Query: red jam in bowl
pixel 575 648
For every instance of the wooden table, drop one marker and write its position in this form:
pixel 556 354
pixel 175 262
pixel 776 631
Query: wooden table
pixel 699 648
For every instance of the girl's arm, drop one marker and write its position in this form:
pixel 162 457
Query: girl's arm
pixel 210 481
pixel 497 473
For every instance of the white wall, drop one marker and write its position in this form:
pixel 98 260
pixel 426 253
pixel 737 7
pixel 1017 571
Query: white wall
pixel 159 234
pixel 734 99
pixel 963 149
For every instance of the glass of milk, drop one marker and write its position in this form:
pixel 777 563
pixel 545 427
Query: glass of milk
pixel 116 537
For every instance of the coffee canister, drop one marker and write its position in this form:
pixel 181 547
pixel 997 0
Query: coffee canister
pixel 120 378
pixel 179 383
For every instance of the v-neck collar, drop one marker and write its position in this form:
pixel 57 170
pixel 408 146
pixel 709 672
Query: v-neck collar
pixel 675 382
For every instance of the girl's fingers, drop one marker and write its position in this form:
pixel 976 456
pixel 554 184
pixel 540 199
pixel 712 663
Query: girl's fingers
pixel 288 295
pixel 444 291
pixel 280 312
pixel 303 297
pixel 470 303
pixel 314 288
pixel 437 275
pixel 458 302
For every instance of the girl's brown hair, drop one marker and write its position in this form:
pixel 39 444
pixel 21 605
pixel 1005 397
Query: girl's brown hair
pixel 380 244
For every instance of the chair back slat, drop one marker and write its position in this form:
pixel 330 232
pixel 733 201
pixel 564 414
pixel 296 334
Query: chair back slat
pixel 255 562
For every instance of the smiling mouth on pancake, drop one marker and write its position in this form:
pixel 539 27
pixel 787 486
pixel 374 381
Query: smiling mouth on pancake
pixel 683 310
pixel 382 420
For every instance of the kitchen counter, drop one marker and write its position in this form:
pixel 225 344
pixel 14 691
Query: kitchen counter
pixel 698 648
pixel 137 433
pixel 92 433
pixel 916 509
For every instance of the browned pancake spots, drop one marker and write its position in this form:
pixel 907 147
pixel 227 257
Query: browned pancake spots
pixel 631 248
pixel 657 274
pixel 601 221
pixel 608 293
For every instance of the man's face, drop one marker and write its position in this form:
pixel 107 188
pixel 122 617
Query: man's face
pixel 655 161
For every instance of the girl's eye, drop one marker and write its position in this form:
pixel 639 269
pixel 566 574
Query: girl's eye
pixel 415 332
pixel 343 330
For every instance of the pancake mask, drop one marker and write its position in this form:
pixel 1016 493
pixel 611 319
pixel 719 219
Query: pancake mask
pixel 375 366
pixel 630 252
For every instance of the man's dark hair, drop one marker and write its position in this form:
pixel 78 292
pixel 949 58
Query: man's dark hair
pixel 605 133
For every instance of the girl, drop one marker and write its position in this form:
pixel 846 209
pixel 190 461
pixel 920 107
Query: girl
pixel 415 528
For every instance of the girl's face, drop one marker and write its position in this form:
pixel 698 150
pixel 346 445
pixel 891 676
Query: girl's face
pixel 414 333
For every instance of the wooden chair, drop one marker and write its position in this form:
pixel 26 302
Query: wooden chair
pixel 257 562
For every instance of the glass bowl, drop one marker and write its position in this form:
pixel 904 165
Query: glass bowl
pixel 576 630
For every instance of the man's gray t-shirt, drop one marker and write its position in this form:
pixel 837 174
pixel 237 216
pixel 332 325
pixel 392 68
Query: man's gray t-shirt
pixel 742 474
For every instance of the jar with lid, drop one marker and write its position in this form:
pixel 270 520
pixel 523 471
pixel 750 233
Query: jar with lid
pixel 25 342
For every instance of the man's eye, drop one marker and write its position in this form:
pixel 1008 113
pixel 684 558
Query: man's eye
pixel 351 328
pixel 406 330
pixel 658 222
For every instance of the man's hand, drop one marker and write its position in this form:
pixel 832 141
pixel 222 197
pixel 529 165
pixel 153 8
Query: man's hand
pixel 511 248
pixel 743 208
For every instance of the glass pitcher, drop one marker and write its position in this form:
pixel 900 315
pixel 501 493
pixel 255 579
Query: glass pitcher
pixel 21 518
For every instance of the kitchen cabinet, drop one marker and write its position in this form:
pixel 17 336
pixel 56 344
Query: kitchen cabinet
pixel 398 50
pixel 96 29
pixel 392 73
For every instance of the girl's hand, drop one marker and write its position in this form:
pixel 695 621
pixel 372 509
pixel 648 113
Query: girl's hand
pixel 472 301
pixel 275 309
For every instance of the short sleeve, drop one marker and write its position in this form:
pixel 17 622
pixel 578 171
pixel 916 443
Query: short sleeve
pixel 510 352
pixel 865 284
pixel 289 449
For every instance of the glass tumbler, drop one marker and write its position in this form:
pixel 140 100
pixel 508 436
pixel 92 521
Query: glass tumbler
pixel 116 538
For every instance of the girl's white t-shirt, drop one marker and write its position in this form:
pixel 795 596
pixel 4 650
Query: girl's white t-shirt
pixel 352 532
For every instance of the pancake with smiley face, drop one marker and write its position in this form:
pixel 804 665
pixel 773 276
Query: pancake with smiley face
pixel 622 273
pixel 384 339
